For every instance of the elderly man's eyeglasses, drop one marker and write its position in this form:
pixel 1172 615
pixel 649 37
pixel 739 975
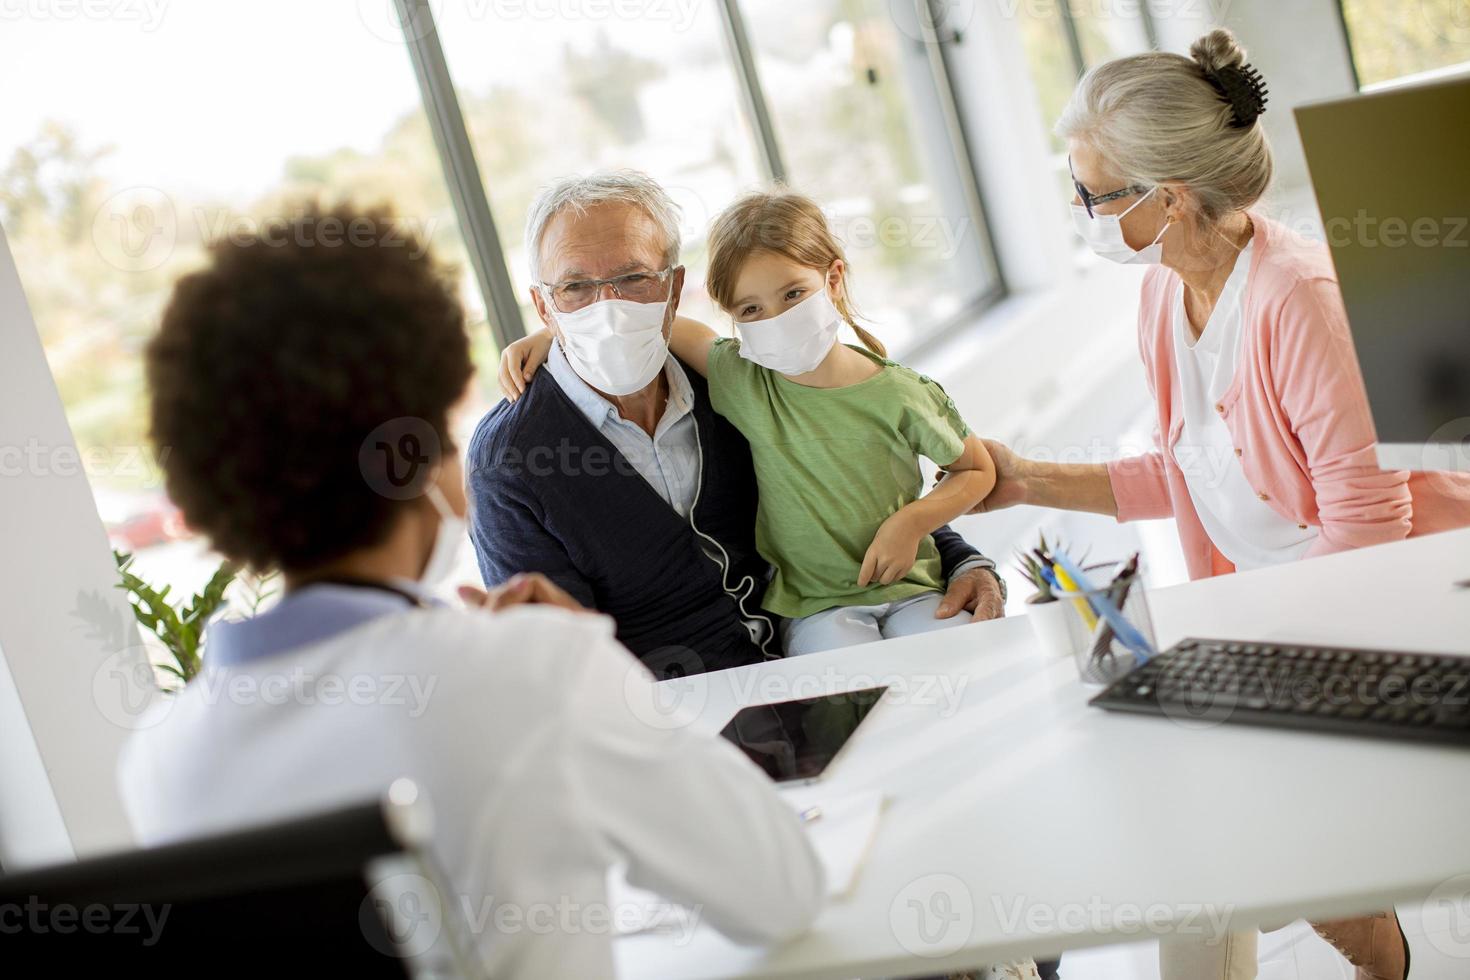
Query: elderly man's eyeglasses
pixel 1089 200
pixel 571 295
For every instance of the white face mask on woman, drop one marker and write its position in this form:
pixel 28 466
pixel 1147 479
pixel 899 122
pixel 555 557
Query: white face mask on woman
pixel 1103 233
pixel 616 345
pixel 448 540
pixel 795 341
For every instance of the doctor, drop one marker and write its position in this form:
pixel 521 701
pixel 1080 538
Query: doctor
pixel 304 392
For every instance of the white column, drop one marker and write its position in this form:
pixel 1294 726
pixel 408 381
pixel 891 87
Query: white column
pixel 74 677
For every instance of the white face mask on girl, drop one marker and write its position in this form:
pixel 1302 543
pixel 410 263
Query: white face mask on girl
pixel 795 341
pixel 448 540
pixel 1103 233
pixel 616 345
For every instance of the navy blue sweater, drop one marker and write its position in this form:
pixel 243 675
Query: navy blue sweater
pixel 552 495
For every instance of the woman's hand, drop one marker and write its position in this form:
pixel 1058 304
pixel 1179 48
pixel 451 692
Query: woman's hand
pixel 894 549
pixel 1010 481
pixel 519 361
pixel 526 589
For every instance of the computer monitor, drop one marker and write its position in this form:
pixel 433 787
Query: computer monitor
pixel 1393 184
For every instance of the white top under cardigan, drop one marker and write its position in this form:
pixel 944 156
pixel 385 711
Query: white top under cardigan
pixel 1243 526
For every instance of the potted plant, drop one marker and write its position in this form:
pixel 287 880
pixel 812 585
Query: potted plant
pixel 180 628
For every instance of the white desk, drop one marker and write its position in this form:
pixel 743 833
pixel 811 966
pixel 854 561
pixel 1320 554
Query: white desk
pixel 1054 825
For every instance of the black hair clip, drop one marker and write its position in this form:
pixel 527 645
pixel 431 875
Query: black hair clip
pixel 1245 90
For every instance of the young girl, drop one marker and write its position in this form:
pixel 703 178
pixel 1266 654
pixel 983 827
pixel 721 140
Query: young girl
pixel 835 432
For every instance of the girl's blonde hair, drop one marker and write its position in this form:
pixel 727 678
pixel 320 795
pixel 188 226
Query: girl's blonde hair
pixel 783 223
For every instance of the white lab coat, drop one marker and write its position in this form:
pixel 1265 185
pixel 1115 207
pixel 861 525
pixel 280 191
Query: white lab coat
pixel 533 735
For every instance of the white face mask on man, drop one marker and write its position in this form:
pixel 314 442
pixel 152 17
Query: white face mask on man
pixel 1103 233
pixel 616 345
pixel 794 341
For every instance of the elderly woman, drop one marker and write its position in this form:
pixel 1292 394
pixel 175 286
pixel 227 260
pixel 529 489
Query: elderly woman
pixel 1265 445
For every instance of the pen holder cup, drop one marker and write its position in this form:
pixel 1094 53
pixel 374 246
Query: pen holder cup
pixel 1102 656
pixel 1060 632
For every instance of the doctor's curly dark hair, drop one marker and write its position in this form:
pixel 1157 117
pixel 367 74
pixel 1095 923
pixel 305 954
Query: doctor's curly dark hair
pixel 283 366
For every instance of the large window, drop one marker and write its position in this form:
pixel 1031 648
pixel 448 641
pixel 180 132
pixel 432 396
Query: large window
pixel 544 97
pixel 128 143
pixel 1394 38
pixel 678 91
pixel 860 126
pixel 137 132
pixel 1062 40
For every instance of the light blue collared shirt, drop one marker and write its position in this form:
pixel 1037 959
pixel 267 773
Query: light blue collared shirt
pixel 304 616
pixel 669 460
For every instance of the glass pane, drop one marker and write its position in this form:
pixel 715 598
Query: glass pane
pixel 148 140
pixel 1393 38
pixel 860 129
pixel 588 89
pixel 1053 70
pixel 1107 31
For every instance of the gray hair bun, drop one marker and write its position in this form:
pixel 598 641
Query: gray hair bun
pixel 1223 62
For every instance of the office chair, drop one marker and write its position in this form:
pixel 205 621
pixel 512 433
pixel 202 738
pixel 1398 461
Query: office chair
pixel 351 892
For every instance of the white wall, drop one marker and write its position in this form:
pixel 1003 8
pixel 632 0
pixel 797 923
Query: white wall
pixel 1301 49
pixel 74 675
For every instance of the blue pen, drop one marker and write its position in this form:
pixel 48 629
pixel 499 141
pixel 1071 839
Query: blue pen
pixel 1142 649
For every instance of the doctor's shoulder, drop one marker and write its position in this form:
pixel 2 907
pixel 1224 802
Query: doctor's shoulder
pixel 527 644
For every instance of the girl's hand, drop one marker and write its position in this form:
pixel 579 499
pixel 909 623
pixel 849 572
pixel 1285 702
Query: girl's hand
pixel 894 549
pixel 519 361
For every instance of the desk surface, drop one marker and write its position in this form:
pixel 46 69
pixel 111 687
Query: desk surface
pixel 1022 822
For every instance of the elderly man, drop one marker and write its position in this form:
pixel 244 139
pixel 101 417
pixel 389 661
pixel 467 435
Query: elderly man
pixel 612 475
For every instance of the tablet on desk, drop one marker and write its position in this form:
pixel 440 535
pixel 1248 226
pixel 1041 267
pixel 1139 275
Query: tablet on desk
pixel 796 741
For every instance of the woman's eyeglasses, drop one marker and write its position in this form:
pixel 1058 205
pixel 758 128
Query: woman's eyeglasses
pixel 1088 199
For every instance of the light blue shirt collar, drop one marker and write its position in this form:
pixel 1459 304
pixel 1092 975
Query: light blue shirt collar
pixel 597 409
pixel 304 616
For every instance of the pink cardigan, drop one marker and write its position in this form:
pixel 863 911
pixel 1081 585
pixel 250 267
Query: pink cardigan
pixel 1297 413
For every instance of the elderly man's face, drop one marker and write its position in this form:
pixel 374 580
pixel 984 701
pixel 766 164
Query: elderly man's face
pixel 607 240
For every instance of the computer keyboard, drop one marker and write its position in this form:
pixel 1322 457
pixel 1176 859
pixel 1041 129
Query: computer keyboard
pixel 1382 693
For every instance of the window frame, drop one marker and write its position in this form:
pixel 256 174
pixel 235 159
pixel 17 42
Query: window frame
pixel 477 222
